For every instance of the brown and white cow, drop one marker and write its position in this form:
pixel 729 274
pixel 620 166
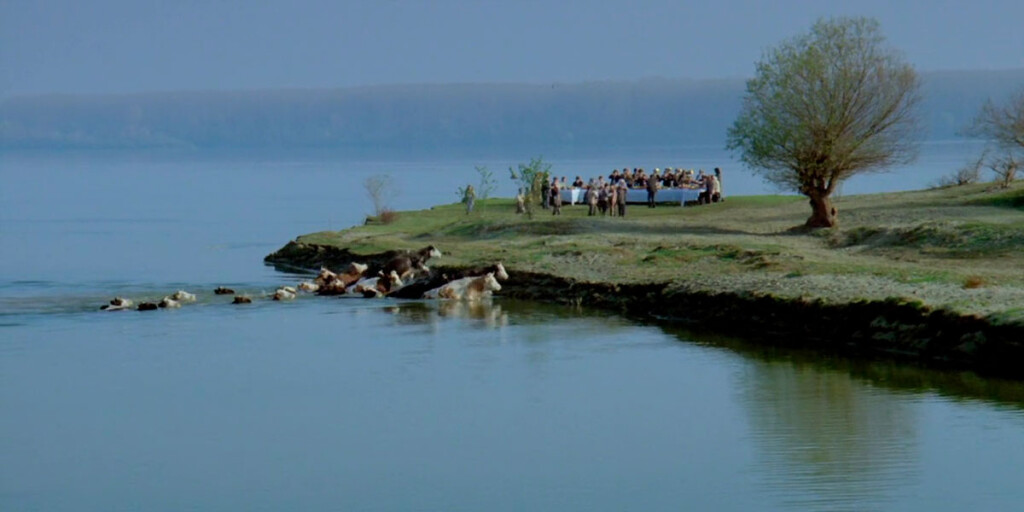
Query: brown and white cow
pixel 118 304
pixel 406 265
pixel 376 286
pixel 467 288
pixel 329 283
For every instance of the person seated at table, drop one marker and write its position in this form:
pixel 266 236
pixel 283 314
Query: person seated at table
pixel 668 179
pixel 640 179
pixel 628 176
pixel 614 176
pixel 578 183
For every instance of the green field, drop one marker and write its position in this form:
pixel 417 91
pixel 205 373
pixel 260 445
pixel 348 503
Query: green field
pixel 959 248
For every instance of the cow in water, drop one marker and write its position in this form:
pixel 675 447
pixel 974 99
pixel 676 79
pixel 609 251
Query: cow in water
pixel 406 265
pixel 118 304
pixel 284 293
pixel 376 286
pixel 416 289
pixel 467 288
pixel 329 283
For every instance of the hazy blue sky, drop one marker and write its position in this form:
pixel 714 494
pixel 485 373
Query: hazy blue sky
pixel 124 46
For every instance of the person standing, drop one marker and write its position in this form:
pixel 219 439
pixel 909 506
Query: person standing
pixel 652 189
pixel 714 189
pixel 556 198
pixel 622 188
pixel 718 175
pixel 469 198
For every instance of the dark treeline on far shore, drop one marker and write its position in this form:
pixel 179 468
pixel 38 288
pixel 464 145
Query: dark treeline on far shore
pixel 431 118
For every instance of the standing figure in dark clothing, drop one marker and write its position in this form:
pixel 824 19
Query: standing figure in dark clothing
pixel 621 190
pixel 652 189
pixel 718 174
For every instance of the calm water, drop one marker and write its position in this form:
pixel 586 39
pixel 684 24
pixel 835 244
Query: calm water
pixel 332 404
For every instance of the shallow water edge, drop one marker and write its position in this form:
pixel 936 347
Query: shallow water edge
pixel 896 327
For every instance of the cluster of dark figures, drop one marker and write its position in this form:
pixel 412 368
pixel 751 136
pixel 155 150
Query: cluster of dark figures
pixel 609 196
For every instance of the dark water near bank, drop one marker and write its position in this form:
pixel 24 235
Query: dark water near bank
pixel 382 405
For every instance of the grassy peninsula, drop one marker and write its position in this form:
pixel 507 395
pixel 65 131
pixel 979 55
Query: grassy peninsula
pixel 898 272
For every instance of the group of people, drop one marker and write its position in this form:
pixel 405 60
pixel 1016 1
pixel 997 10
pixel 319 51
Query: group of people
pixel 609 195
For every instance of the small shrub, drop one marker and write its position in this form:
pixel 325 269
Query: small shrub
pixel 387 216
pixel 974 282
pixel 966 175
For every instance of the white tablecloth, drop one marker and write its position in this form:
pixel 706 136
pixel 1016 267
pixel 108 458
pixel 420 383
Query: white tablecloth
pixel 665 195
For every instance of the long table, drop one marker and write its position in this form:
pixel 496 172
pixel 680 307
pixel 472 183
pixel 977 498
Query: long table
pixel 638 195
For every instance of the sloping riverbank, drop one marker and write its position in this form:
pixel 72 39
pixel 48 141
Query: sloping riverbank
pixel 936 276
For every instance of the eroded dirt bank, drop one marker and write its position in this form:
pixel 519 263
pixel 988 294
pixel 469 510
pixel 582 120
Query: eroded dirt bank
pixel 895 327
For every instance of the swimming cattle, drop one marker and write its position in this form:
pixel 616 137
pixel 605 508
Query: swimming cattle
pixel 329 283
pixel 284 293
pixel 220 290
pixel 118 304
pixel 376 286
pixel 410 263
pixel 467 288
pixel 416 289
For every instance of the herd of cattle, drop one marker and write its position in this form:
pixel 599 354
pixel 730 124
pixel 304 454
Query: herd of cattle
pixel 406 275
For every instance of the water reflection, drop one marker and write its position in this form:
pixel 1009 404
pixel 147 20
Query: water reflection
pixel 825 441
pixel 842 433
pixel 484 313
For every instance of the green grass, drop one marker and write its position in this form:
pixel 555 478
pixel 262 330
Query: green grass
pixel 928 237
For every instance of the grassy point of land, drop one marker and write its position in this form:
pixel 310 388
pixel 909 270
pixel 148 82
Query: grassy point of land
pixel 959 248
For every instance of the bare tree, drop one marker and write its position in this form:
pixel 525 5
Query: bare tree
pixel 379 187
pixel 1003 125
pixel 825 106
pixel 1005 169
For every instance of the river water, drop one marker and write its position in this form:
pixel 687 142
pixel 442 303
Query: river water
pixel 332 404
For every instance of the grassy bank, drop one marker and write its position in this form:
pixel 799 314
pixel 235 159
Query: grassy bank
pixel 956 250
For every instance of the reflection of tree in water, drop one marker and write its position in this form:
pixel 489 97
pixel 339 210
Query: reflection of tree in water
pixel 826 441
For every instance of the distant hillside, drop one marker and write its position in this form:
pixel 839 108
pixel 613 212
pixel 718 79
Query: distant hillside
pixel 432 118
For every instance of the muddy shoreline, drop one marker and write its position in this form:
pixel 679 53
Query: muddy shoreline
pixel 896 327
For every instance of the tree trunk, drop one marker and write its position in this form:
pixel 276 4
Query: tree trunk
pixel 823 215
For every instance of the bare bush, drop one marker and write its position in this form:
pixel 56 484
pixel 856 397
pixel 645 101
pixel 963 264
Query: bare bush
pixel 1005 169
pixel 966 175
pixel 380 188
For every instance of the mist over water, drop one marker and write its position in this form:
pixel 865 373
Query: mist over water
pixel 381 405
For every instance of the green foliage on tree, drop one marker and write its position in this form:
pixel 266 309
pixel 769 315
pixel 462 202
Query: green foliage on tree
pixel 827 105
pixel 484 188
pixel 532 180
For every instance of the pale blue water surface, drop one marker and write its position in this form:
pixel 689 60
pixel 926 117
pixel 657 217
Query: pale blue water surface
pixel 332 404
